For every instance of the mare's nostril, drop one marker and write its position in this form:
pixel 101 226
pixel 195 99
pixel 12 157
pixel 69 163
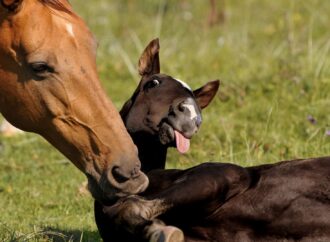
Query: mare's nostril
pixel 122 175
pixel 118 175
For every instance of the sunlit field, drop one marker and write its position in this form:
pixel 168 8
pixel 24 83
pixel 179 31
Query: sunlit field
pixel 273 60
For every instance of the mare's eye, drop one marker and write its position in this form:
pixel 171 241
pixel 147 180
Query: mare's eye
pixel 41 67
pixel 151 84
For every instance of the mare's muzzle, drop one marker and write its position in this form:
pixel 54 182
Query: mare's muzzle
pixel 118 181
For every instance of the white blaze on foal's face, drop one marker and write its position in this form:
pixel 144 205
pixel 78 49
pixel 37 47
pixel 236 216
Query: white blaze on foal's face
pixel 192 110
pixel 190 107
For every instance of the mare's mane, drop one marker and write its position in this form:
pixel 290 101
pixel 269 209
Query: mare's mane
pixel 58 5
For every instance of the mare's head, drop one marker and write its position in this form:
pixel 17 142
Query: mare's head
pixel 163 106
pixel 49 85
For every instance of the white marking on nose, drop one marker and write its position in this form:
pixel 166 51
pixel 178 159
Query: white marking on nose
pixel 192 110
pixel 184 84
pixel 69 28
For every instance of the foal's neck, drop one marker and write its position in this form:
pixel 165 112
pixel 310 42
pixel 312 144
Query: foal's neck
pixel 152 153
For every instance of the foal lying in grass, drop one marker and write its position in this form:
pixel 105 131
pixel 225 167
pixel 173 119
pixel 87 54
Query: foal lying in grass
pixel 163 112
pixel 286 201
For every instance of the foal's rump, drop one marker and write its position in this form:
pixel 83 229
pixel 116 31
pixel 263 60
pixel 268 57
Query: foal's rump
pixel 302 200
pixel 286 201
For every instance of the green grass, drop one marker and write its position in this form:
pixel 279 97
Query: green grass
pixel 274 63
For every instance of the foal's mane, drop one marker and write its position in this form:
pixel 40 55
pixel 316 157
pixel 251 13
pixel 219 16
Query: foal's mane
pixel 58 5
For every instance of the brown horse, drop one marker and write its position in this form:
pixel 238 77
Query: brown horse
pixel 49 85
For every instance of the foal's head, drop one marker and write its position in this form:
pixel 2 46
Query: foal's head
pixel 163 106
pixel 49 85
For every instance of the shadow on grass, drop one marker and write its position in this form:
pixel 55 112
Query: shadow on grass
pixel 61 235
pixel 53 234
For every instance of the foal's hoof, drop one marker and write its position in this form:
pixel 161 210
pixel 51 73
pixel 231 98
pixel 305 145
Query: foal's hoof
pixel 167 234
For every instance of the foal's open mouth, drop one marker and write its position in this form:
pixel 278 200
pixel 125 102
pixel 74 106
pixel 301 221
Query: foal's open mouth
pixel 172 137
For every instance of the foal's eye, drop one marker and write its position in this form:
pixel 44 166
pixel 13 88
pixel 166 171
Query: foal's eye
pixel 151 84
pixel 41 67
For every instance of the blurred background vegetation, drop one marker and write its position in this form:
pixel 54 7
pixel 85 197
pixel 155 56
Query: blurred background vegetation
pixel 272 58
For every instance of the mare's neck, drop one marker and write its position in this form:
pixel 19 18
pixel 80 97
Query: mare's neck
pixel 152 153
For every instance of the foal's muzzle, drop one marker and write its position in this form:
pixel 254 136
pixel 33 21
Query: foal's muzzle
pixel 184 116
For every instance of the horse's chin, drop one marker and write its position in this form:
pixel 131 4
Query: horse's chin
pixel 134 186
pixel 166 135
pixel 171 137
pixel 106 193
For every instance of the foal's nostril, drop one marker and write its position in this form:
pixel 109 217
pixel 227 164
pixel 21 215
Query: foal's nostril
pixel 198 121
pixel 181 107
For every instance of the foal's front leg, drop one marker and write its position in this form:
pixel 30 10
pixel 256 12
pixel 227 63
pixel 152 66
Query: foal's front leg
pixel 129 220
pixel 174 188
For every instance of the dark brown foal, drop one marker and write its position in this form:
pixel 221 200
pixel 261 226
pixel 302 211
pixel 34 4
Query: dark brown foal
pixel 285 201
pixel 163 112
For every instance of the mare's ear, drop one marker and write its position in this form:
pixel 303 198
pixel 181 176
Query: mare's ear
pixel 149 60
pixel 11 5
pixel 206 93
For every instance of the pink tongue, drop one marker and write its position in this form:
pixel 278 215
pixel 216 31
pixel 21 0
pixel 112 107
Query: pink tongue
pixel 182 143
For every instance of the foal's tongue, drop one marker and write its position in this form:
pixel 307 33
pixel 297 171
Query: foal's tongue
pixel 182 143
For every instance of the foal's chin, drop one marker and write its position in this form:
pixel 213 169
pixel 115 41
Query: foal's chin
pixel 105 192
pixel 166 135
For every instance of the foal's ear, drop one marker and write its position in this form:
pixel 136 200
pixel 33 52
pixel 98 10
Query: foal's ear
pixel 149 60
pixel 11 5
pixel 206 93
